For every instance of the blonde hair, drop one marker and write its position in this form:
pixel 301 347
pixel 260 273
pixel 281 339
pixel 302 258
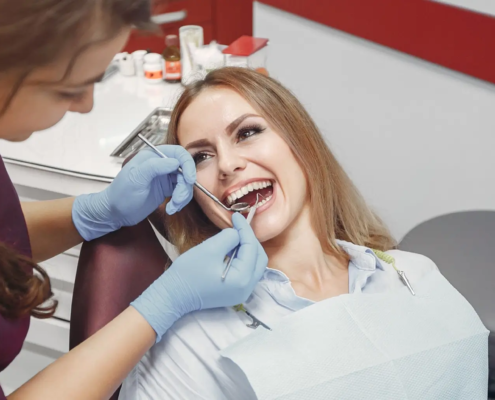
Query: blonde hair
pixel 338 211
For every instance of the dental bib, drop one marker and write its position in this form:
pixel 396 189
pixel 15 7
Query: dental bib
pixel 386 346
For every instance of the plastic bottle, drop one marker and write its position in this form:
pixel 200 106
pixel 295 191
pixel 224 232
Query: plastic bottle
pixel 153 68
pixel 171 54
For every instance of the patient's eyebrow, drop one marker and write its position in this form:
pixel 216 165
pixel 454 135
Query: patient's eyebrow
pixel 236 122
pixel 198 143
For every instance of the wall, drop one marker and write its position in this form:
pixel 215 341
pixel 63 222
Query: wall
pixel 416 139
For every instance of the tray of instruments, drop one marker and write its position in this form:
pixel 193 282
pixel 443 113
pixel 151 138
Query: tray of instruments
pixel 154 128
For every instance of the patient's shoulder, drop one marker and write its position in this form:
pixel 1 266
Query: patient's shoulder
pixel 407 261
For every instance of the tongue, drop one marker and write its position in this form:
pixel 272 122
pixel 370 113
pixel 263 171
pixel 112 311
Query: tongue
pixel 250 198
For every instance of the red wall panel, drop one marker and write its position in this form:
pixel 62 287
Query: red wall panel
pixel 445 35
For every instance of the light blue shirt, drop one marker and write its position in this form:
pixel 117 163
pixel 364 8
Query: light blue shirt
pixel 186 364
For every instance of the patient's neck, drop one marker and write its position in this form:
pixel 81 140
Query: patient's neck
pixel 297 252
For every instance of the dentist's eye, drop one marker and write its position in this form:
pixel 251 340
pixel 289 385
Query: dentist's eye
pixel 248 131
pixel 200 157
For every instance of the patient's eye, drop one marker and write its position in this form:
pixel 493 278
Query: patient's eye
pixel 248 131
pixel 199 157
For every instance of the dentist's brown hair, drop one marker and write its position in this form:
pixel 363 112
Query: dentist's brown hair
pixel 338 210
pixel 35 33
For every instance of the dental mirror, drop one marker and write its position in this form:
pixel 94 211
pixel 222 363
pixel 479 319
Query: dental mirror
pixel 237 207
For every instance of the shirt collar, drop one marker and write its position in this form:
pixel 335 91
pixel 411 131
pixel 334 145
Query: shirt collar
pixel 362 258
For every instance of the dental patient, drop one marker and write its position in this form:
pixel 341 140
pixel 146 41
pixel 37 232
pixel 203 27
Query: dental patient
pixel 250 137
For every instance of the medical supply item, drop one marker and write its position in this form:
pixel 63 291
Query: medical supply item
pixel 191 283
pixel 249 219
pixel 154 128
pixel 248 52
pixel 237 207
pixel 140 187
pixel 153 68
pixel 209 57
pixel 138 57
pixel 380 346
pixel 391 260
pixel 191 38
pixel 171 54
pixel 255 321
pixel 126 64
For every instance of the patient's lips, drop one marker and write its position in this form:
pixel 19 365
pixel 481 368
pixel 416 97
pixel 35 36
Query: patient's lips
pixel 248 191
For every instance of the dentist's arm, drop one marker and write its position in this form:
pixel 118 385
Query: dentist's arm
pixel 95 368
pixel 143 184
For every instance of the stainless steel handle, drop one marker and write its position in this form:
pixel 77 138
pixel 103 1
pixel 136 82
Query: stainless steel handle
pixel 168 18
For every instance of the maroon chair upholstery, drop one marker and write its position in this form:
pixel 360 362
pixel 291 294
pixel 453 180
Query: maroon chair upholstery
pixel 113 270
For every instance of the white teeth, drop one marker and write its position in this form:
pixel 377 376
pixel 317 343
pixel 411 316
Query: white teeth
pixel 246 189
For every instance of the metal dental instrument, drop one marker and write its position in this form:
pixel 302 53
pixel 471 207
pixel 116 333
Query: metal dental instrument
pixel 238 207
pixel 248 219
pixel 255 321
pixel 391 260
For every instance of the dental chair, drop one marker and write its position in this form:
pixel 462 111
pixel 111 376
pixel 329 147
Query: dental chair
pixel 462 245
pixel 116 268
pixel 112 272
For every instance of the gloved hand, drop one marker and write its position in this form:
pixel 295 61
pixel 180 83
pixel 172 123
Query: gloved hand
pixel 193 282
pixel 137 191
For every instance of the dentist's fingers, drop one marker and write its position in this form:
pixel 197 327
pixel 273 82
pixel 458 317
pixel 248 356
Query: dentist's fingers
pixel 222 243
pixel 245 262
pixel 151 169
pixel 185 160
pixel 181 196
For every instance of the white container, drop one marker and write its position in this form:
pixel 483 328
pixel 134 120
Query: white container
pixel 153 68
pixel 138 57
pixel 191 38
pixel 126 64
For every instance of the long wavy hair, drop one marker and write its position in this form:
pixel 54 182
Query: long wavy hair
pixel 338 211
pixel 34 33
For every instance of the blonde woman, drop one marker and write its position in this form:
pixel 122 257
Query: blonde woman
pixel 250 136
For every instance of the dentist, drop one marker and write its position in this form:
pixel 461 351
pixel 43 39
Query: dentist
pixel 51 54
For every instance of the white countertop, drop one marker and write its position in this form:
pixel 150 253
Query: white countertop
pixel 80 144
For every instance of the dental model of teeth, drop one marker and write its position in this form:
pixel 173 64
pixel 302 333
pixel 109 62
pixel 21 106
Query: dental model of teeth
pixel 238 194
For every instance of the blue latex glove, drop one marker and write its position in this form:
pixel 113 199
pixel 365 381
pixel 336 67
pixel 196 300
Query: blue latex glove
pixel 193 282
pixel 137 191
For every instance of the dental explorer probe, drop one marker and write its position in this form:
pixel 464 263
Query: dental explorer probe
pixel 248 219
pixel 238 207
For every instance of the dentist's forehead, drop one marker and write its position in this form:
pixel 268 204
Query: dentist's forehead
pixel 210 113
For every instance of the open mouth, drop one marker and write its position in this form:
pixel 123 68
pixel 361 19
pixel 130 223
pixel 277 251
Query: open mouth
pixel 250 192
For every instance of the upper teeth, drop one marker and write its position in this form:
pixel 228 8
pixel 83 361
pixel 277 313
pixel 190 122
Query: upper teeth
pixel 246 189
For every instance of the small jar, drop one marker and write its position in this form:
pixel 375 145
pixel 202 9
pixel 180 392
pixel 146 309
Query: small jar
pixel 153 68
pixel 126 64
pixel 138 57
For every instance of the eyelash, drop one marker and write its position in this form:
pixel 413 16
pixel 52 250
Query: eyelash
pixel 252 129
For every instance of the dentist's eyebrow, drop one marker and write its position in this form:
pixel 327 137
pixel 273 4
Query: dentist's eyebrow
pixel 236 122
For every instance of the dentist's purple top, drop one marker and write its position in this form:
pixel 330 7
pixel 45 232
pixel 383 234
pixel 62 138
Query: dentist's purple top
pixel 13 232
